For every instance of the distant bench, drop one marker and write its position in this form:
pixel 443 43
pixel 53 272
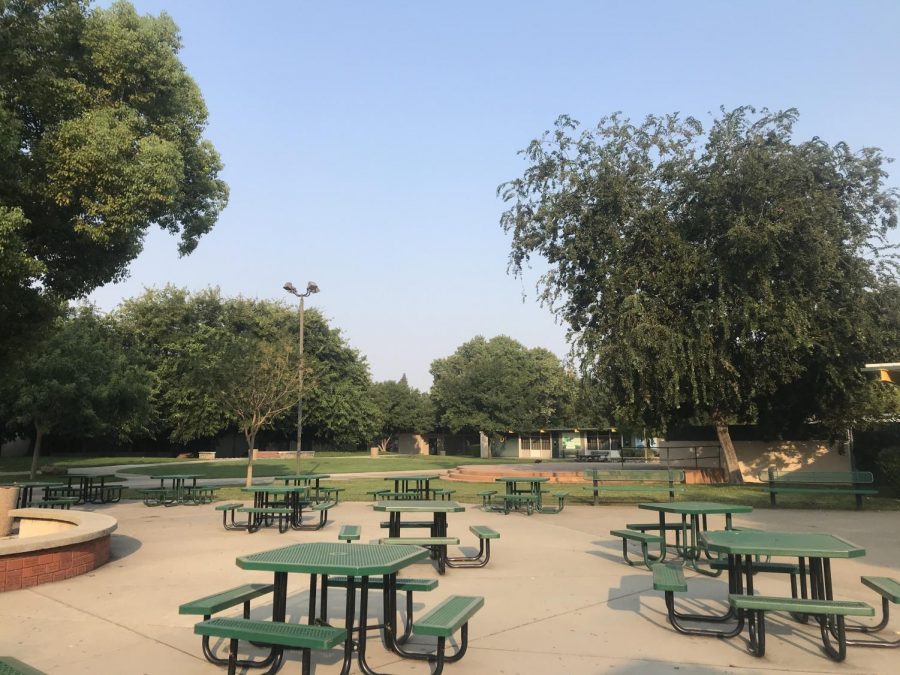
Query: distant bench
pixel 818 482
pixel 634 480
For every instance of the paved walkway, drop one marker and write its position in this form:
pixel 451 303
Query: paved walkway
pixel 558 598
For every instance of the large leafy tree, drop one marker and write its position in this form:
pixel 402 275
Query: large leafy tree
pixel 714 276
pixel 498 385
pixel 401 409
pixel 194 344
pixel 100 137
pixel 81 381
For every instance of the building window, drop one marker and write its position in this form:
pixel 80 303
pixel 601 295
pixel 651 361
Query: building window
pixel 534 442
pixel 597 441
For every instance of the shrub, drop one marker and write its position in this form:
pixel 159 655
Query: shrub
pixel 889 464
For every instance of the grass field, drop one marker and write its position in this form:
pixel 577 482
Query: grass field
pixel 356 489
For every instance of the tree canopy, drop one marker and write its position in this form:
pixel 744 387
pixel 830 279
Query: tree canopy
pixel 196 345
pixel 712 276
pixel 498 385
pixel 401 409
pixel 100 137
pixel 81 381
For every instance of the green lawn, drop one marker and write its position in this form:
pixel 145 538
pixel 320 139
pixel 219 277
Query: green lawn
pixel 356 490
pixel 23 464
pixel 328 464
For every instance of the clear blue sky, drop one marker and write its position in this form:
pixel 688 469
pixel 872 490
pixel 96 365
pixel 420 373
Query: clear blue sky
pixel 364 141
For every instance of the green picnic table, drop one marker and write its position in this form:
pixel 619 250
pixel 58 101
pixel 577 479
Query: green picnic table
pixel 357 562
pixel 178 481
pixel 310 479
pixel 27 488
pixel 521 489
pixel 419 484
pixel 814 552
pixel 93 488
pixel 270 496
pixel 693 521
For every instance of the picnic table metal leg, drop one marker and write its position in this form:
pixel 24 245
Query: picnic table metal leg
pixel 349 617
pixel 363 620
pixel 735 585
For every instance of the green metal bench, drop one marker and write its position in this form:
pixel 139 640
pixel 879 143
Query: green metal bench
pixel 644 540
pixel 634 480
pixel 511 502
pixel 157 496
pixel 758 605
pixel 484 534
pixel 292 635
pixel 486 498
pixel 258 514
pixel 54 503
pixel 561 502
pixel 889 590
pixel 438 546
pixel 12 666
pixel 332 493
pixel 215 603
pixel 231 507
pixel 670 527
pixel 407 585
pixel 443 493
pixel 452 615
pixel 322 509
pixel 669 578
pixel 350 533
pixel 200 494
pixel 818 482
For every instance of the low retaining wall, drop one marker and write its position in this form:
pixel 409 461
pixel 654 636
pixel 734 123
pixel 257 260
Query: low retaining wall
pixel 57 545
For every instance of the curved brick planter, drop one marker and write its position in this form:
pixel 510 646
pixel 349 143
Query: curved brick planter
pixel 52 546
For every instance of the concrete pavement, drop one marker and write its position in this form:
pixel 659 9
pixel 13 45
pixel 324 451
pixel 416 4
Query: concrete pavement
pixel 558 598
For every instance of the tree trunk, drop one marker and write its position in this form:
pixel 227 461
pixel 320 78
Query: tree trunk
pixel 732 466
pixel 251 441
pixel 37 452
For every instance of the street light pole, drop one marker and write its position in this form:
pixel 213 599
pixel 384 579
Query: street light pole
pixel 310 289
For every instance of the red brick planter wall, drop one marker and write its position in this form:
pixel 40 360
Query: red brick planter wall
pixel 21 570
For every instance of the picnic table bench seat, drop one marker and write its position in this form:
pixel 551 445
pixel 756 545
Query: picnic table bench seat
pixel 452 615
pixel 514 501
pixel 332 493
pixel 200 494
pixel 407 585
pixel 438 546
pixel 817 482
pixel 561 502
pixel 53 503
pixel 108 494
pixel 322 509
pixel 230 508
pixel 669 527
pixel 217 602
pixel 486 498
pixel 889 590
pixel 484 534
pixel 293 635
pixel 634 480
pixel 350 533
pixel 644 539
pixel 157 496
pixel 283 513
pixel 758 605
